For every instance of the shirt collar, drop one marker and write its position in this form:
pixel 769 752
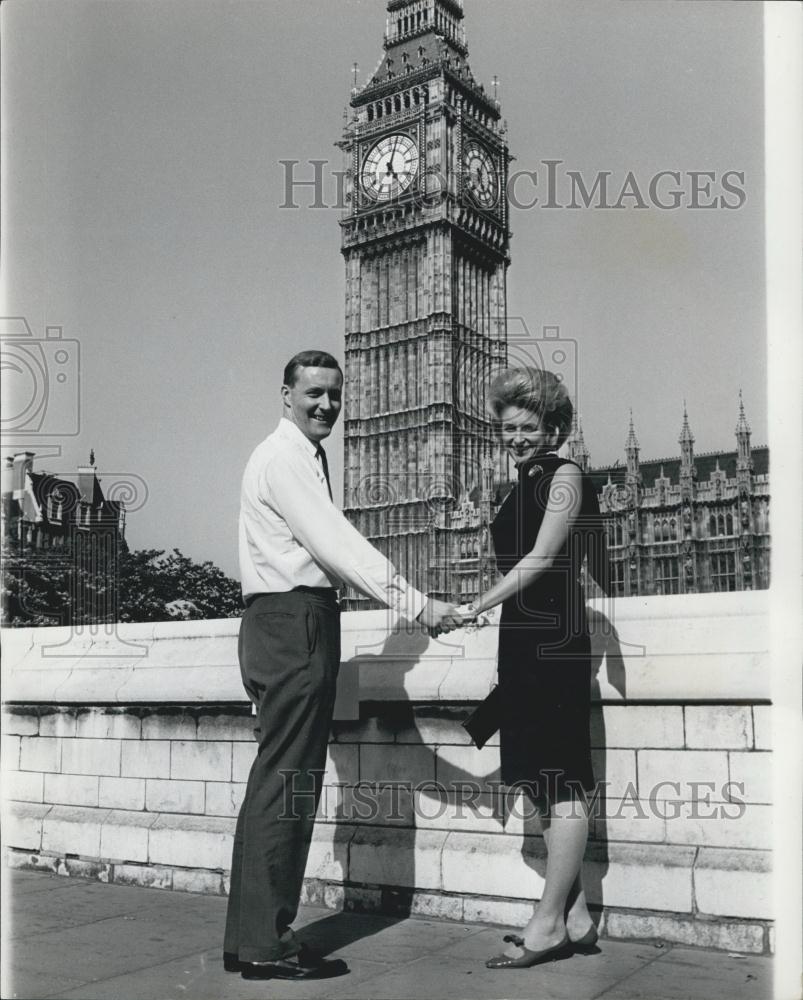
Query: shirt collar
pixel 291 432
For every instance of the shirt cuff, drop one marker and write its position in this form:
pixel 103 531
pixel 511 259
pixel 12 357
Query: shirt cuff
pixel 411 603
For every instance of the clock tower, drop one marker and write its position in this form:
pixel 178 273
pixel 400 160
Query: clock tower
pixel 425 239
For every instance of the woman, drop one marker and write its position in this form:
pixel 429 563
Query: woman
pixel 544 529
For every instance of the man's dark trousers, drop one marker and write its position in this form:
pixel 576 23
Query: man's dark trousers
pixel 289 652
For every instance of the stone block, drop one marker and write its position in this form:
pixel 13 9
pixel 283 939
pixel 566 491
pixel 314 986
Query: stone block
pixel 147 876
pixel 73 830
pixel 436 905
pixel 223 798
pixel 639 726
pixel 466 811
pixel 488 910
pixel 24 786
pixel 169 725
pixel 734 883
pixel 102 723
pixel 121 793
pixel 342 764
pixel 85 756
pixel 243 756
pixel 762 727
pixel 22 826
pixel 436 731
pixel 85 868
pixel 494 865
pixel 723 825
pixel 459 765
pixel 20 723
pixel 752 769
pixel 614 771
pixel 10 747
pixel 72 789
pixel 719 726
pixel 166 795
pixel 738 937
pixel 32 862
pixel 628 819
pixel 397 856
pixel 675 774
pixel 40 753
pixel 365 803
pixel 197 880
pixel 124 836
pixel 145 759
pixel 371 730
pixel 398 763
pixel 204 839
pixel 200 761
pixel 61 722
pixel 329 852
pixel 640 876
pixel 235 728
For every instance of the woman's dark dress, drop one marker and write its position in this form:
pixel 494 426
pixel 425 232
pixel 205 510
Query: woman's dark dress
pixel 544 648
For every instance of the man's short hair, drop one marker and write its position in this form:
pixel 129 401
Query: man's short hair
pixel 308 359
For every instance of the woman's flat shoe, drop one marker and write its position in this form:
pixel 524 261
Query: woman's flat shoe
pixel 529 958
pixel 586 945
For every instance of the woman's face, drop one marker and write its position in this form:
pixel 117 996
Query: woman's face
pixel 523 433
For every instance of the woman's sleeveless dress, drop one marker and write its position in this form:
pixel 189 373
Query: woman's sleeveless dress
pixel 544 647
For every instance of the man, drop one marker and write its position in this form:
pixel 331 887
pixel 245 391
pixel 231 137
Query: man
pixel 296 547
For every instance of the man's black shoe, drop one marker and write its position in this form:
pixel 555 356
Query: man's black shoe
pixel 307 964
pixel 231 963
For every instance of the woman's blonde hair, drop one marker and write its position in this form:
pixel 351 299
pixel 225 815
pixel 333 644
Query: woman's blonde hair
pixel 538 391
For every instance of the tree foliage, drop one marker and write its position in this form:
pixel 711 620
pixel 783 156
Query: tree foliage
pixel 60 587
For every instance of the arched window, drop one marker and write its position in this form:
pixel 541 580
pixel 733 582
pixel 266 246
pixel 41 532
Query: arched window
pixel 712 525
pixel 673 530
pixel 657 530
pixel 729 524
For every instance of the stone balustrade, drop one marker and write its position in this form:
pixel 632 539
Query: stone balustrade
pixel 125 754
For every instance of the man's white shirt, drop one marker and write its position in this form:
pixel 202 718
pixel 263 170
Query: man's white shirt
pixel 291 534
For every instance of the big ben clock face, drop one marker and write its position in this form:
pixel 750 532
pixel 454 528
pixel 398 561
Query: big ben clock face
pixel 390 167
pixel 481 178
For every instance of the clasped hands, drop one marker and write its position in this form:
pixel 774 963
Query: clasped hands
pixel 440 616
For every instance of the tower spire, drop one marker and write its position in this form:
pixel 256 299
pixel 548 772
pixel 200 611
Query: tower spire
pixel 744 458
pixel 687 470
pixel 633 473
pixel 576 444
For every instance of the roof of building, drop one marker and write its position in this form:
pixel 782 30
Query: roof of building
pixel 704 463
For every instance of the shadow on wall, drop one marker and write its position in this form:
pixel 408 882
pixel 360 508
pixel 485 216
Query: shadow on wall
pixel 395 824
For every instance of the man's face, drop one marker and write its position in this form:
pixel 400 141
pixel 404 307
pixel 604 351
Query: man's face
pixel 313 402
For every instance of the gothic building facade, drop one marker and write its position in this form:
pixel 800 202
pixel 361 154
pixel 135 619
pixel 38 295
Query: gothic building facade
pixel 425 240
pixel 690 524
pixel 67 523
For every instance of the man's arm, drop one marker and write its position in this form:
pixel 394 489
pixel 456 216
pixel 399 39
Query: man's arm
pixel 336 545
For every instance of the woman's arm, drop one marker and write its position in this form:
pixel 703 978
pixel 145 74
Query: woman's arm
pixel 565 497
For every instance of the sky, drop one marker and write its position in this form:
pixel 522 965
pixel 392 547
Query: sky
pixel 142 196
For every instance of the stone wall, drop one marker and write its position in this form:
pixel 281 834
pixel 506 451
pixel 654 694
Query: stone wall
pixel 125 757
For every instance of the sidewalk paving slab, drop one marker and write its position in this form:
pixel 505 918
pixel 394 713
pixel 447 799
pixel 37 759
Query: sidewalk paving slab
pixel 75 938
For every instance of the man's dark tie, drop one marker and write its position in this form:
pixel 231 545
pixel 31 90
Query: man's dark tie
pixel 325 464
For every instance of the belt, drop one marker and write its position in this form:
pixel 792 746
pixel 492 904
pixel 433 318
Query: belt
pixel 327 593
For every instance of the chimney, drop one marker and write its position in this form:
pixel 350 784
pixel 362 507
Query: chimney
pixel 21 465
pixel 86 479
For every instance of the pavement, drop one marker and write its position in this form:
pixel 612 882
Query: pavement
pixel 69 937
